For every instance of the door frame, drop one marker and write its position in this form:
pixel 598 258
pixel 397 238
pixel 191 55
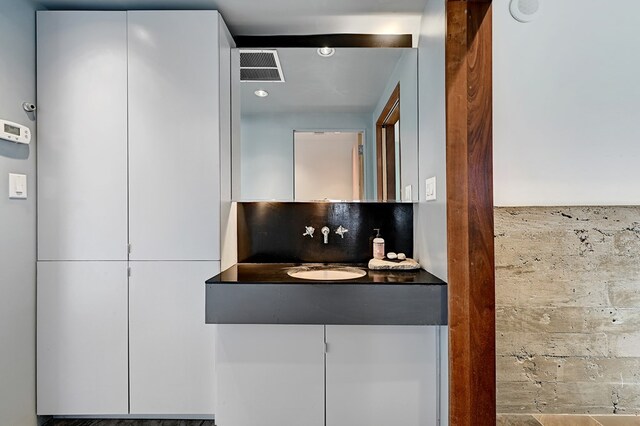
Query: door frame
pixel 385 143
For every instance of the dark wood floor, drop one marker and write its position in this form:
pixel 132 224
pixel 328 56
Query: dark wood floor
pixel 127 422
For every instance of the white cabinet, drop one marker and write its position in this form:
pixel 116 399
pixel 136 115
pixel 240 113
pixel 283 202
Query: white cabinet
pixel 82 135
pixel 171 348
pixel 138 87
pixel 270 375
pixel 275 375
pixel 132 117
pixel 381 375
pixel 174 128
pixel 82 338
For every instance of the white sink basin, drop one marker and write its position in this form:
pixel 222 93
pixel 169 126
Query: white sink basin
pixel 327 274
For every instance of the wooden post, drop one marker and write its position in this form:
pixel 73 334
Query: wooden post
pixel 470 214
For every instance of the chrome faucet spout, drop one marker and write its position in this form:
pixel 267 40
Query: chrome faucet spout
pixel 325 231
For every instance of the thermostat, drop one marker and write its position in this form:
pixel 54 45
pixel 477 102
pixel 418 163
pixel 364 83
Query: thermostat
pixel 14 132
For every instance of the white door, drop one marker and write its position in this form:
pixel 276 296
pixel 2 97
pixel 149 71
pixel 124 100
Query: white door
pixel 171 347
pixel 174 159
pixel 326 157
pixel 82 338
pixel 82 135
pixel 270 375
pixel 381 375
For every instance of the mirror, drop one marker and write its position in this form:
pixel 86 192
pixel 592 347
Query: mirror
pixel 341 127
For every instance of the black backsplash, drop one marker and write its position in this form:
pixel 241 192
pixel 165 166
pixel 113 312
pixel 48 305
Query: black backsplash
pixel 270 232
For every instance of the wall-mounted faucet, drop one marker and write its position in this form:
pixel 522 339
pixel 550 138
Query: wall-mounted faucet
pixel 341 231
pixel 325 231
pixel 309 230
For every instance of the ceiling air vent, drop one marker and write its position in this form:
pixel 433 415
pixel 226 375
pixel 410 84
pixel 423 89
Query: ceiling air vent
pixel 260 65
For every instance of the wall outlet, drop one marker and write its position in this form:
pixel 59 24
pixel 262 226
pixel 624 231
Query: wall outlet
pixel 430 192
pixel 17 186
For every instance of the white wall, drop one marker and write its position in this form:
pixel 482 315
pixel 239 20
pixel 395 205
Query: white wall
pixel 17 220
pixel 405 74
pixel 266 150
pixel 567 104
pixel 326 158
pixel 431 217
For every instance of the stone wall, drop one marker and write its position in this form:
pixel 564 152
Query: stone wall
pixel 568 309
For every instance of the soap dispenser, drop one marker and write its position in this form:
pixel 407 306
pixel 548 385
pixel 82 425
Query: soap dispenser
pixel 378 246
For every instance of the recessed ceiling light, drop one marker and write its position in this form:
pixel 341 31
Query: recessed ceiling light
pixel 261 93
pixel 325 52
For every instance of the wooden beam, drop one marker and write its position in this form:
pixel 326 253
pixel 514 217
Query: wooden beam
pixel 472 399
pixel 322 40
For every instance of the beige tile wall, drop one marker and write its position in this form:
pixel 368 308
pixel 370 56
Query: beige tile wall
pixel 568 310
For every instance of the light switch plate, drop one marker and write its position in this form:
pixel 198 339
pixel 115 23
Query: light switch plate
pixel 408 196
pixel 17 186
pixel 430 192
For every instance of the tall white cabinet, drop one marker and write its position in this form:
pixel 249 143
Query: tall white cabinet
pixel 171 349
pixel 132 119
pixel 174 115
pixel 82 136
pixel 82 337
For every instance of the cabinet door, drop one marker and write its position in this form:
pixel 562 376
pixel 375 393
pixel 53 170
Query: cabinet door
pixel 174 160
pixel 82 338
pixel 171 347
pixel 270 375
pixel 381 375
pixel 82 135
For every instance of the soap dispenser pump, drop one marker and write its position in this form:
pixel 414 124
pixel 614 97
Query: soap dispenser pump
pixel 378 245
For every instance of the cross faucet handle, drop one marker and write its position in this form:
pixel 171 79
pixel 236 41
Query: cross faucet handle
pixel 341 231
pixel 308 230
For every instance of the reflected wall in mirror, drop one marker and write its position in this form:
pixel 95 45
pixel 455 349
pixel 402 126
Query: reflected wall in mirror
pixel 316 133
pixel 328 165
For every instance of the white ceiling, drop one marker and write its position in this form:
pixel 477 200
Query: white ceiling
pixel 273 17
pixel 352 80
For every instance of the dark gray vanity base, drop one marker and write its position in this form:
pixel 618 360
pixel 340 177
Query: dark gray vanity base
pixel 278 301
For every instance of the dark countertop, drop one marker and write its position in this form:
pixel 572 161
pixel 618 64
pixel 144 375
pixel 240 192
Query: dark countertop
pixel 263 293
pixel 276 273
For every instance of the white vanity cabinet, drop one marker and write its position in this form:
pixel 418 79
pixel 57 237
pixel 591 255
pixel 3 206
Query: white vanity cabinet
pixel 132 118
pixel 381 375
pixel 277 375
pixel 270 375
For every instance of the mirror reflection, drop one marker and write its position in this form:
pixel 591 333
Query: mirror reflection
pixel 334 159
pixel 334 125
